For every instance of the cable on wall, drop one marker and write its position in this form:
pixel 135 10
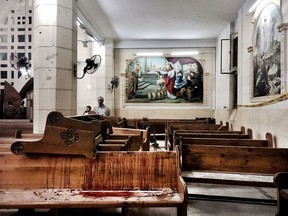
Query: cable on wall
pixel 274 100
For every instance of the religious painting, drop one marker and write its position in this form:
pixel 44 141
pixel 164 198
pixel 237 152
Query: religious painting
pixel 267 52
pixel 164 80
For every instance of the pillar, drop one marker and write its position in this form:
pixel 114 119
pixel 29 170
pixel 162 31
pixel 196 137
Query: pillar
pixel 55 55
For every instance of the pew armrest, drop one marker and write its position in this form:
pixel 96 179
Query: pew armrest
pixel 281 180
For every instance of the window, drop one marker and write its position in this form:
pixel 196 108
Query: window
pixel 21 38
pixel 3 38
pixel 3 74
pixel 3 56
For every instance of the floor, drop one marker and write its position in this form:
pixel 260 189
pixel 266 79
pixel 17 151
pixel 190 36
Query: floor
pixel 203 200
pixel 195 208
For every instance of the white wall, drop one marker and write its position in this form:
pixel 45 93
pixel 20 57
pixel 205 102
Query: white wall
pixel 269 118
pixel 223 91
pixel 94 85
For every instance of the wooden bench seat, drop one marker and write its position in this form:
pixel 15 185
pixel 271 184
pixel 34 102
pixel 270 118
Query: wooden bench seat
pixel 281 183
pixel 61 198
pixel 217 177
pixel 242 160
pixel 113 179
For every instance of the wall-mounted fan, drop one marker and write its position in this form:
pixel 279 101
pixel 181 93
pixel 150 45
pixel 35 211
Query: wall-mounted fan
pixel 22 64
pixel 92 64
pixel 114 83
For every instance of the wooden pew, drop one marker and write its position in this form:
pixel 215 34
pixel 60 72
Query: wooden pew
pixel 226 140
pixel 158 126
pixel 203 133
pixel 213 131
pixel 9 127
pixel 116 144
pixel 281 183
pixel 174 139
pixel 232 165
pixel 115 121
pixel 191 128
pixel 195 126
pixel 113 179
pixel 5 148
pixel 140 137
pixel 65 135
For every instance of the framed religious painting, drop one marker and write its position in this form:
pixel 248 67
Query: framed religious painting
pixel 164 80
pixel 266 60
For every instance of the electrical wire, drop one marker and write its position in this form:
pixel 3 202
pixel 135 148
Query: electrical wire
pixel 274 100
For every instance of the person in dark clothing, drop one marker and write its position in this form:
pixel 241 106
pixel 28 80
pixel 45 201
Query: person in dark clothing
pixel 10 111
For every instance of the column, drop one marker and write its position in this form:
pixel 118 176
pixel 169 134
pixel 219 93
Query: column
pixel 55 55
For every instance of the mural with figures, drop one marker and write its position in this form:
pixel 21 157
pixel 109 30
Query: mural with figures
pixel 267 52
pixel 164 80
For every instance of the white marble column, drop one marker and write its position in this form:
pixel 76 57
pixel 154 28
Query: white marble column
pixel 55 54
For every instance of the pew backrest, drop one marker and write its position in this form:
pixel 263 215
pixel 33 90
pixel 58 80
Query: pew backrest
pixel 230 140
pixel 241 159
pixel 143 134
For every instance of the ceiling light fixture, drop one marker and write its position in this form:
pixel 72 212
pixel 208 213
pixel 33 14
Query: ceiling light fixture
pixel 182 53
pixel 149 54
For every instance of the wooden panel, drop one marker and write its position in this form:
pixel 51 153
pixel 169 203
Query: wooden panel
pixel 188 126
pixel 112 147
pixel 225 142
pixel 234 159
pixel 156 126
pixel 135 145
pixel 213 135
pixel 110 170
pixel 209 131
pixel 9 127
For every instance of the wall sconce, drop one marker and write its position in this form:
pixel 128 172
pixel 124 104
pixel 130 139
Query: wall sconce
pixel 282 27
pixel 249 49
